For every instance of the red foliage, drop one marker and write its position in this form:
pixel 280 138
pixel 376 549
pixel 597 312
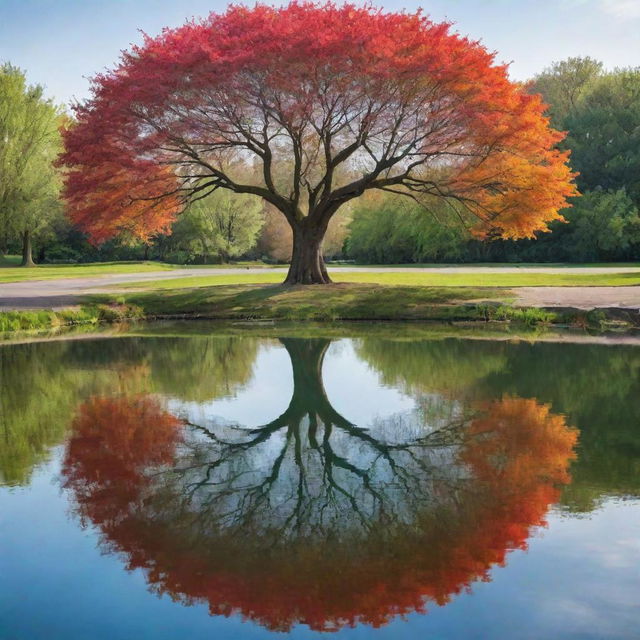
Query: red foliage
pixel 115 441
pixel 421 108
pixel 516 454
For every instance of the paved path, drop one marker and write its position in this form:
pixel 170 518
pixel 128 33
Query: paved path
pixel 48 294
pixel 579 297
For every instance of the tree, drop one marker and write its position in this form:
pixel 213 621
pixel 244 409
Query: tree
pixel 29 144
pixel 387 229
pixel 564 84
pixel 604 135
pixel 388 101
pixel 223 224
pixel 603 225
pixel 276 238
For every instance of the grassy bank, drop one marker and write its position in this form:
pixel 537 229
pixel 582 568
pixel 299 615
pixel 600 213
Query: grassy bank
pixel 317 303
pixel 331 302
pixel 91 314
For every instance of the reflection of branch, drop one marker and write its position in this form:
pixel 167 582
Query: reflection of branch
pixel 308 482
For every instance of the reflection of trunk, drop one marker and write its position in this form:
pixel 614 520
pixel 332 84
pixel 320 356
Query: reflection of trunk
pixel 309 397
pixel 27 260
pixel 307 264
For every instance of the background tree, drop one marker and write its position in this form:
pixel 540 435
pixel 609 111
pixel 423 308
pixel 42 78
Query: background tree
pixel 377 101
pixel 29 144
pixel 604 135
pixel 564 85
pixel 603 225
pixel 226 224
pixel 388 229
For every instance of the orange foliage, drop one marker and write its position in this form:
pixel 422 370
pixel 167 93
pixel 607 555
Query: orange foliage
pixel 107 200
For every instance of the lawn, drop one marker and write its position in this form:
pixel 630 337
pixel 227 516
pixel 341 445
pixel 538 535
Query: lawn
pixel 403 278
pixel 320 302
pixel 10 271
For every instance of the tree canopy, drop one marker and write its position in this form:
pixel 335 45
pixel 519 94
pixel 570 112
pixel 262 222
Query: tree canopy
pixel 375 100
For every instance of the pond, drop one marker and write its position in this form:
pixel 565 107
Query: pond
pixel 195 480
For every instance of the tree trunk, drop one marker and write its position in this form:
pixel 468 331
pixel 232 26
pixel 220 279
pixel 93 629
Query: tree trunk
pixel 27 259
pixel 307 264
pixel 146 252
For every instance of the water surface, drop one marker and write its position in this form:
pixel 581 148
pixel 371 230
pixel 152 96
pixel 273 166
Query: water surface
pixel 200 481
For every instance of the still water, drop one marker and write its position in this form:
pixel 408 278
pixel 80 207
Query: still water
pixel 196 481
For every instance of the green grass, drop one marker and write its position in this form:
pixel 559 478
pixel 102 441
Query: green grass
pixel 13 273
pixel 333 302
pixel 17 321
pixel 496 265
pixel 10 271
pixel 403 278
pixel 304 304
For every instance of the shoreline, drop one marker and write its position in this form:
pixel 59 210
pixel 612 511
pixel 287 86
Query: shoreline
pixel 605 322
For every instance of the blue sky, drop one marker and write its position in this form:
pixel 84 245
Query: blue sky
pixel 62 42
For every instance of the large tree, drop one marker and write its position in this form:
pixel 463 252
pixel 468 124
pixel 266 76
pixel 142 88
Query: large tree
pixel 324 103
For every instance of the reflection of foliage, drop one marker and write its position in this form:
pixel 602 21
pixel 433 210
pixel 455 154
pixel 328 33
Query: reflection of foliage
pixel 115 440
pixel 433 365
pixel 595 386
pixel 202 368
pixel 41 387
pixel 43 383
pixel 311 519
pixel 515 444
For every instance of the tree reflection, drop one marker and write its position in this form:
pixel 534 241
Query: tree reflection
pixel 310 518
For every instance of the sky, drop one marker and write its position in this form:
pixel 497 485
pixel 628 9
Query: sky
pixel 62 43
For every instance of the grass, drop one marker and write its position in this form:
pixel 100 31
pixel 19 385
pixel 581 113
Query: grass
pixel 496 265
pixel 403 278
pixel 12 321
pixel 10 271
pixel 13 273
pixel 304 304
pixel 334 302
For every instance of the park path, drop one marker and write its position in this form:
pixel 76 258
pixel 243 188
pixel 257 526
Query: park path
pixel 64 292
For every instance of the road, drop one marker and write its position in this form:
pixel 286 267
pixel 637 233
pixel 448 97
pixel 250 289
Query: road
pixel 64 292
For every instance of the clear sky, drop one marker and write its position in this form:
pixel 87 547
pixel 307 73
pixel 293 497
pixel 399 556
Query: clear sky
pixel 60 43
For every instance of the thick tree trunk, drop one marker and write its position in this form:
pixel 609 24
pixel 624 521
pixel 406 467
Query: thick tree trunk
pixel 27 259
pixel 307 264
